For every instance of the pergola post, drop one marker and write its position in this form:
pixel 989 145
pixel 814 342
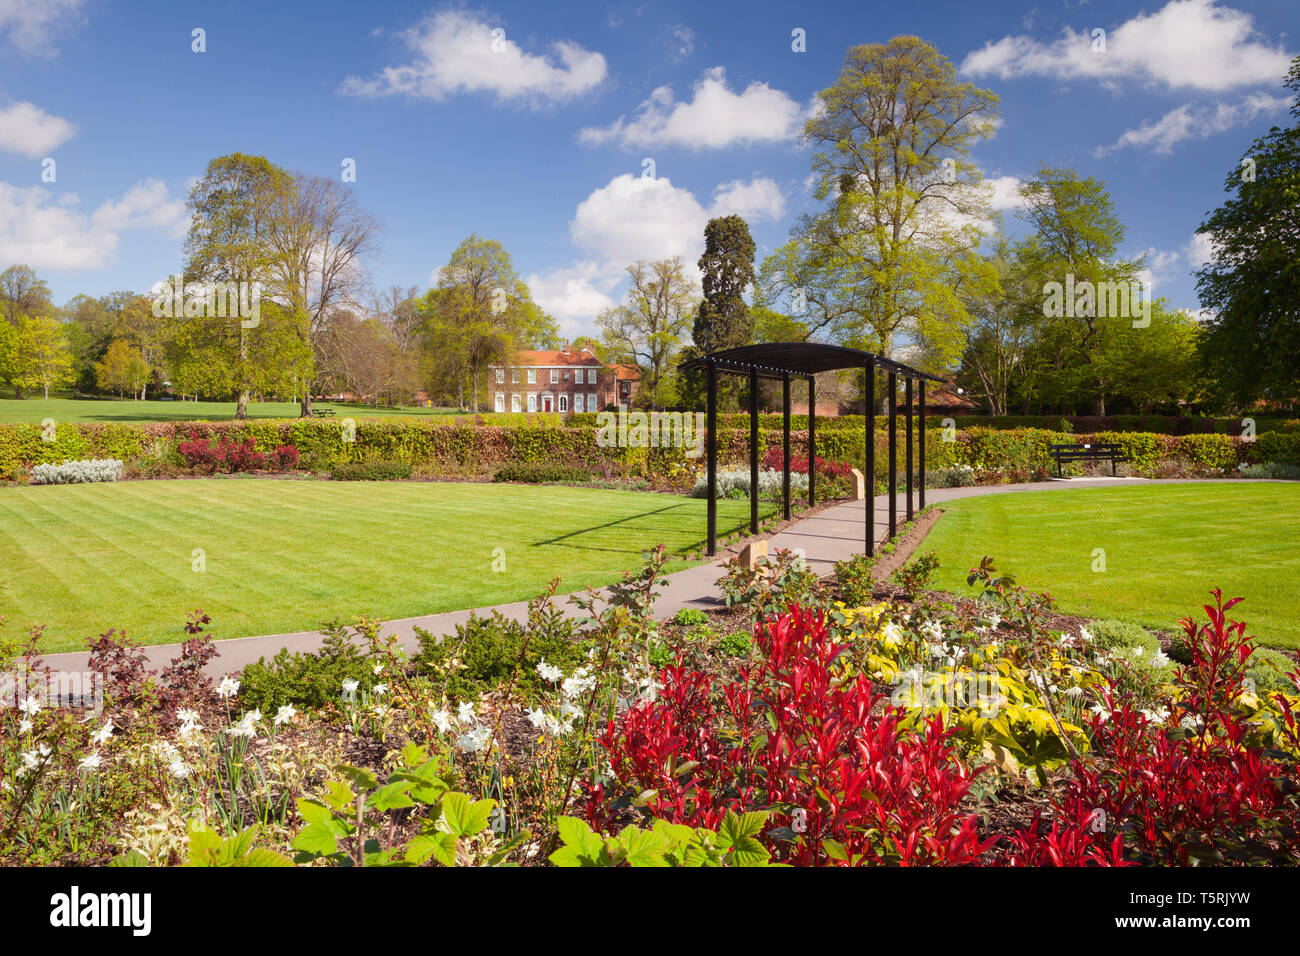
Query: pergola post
pixel 712 457
pixel 921 446
pixel 753 451
pixel 812 441
pixel 869 480
pixel 907 457
pixel 893 455
pixel 785 444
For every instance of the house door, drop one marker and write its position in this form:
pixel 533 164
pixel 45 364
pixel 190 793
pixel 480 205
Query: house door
pixel 546 403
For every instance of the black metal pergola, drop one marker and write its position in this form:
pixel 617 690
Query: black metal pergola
pixel 784 361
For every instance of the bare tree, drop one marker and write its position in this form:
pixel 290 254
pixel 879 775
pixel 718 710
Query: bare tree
pixel 322 236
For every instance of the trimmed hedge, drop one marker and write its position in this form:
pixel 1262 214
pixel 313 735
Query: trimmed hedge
pixel 439 449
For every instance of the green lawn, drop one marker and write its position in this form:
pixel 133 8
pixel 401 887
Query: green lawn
pixel 284 556
pixel 36 410
pixel 1165 547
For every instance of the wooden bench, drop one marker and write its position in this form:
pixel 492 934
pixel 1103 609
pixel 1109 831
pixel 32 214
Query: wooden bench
pixel 1094 451
pixel 323 412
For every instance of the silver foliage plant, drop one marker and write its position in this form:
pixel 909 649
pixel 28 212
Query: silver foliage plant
pixel 77 472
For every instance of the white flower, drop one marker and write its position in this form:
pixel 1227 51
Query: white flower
pixel 90 763
pixel 229 687
pixel 247 725
pixel 1085 635
pixel 380 711
pixel 933 630
pixel 549 672
pixel 1073 691
pixel 31 760
pixel 178 768
pixel 101 736
pixel 379 668
pixel 578 684
pixel 30 706
pixel 1157 716
pixel 893 635
pixel 1160 659
pixel 546 723
pixel 474 740
pixel 187 716
pixel 189 729
pixel 465 712
pixel 380 689
pixel 1100 711
pixel 285 714
pixel 349 688
pixel 442 720
pixel 994 621
pixel 24 726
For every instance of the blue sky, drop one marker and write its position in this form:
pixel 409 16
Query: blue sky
pixel 541 142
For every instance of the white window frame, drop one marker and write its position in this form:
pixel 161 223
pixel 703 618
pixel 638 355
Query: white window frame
pixel 563 406
pixel 532 376
pixel 532 402
pixel 501 376
pixel 500 404
pixel 592 402
pixel 578 404
pixel 514 403
pixel 555 376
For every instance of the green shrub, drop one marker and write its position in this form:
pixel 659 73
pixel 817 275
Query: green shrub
pixel 736 644
pixel 486 652
pixel 536 473
pixel 915 576
pixel 371 471
pixel 1111 634
pixel 306 680
pixel 1268 669
pixel 854 579
pixel 690 617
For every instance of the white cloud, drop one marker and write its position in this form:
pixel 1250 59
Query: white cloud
pixel 1187 43
pixel 683 42
pixel 576 294
pixel 760 198
pixel 715 117
pixel 27 130
pixel 1200 250
pixel 48 233
pixel 638 217
pixel 456 52
pixel 1195 122
pixel 1006 193
pixel 147 204
pixel 31 24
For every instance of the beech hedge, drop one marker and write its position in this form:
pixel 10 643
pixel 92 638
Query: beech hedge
pixel 434 448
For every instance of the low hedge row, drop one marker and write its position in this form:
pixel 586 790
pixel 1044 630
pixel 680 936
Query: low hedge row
pixel 435 448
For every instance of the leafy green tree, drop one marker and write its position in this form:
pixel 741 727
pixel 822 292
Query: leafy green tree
pixel 233 210
pixel 477 314
pixel 897 250
pixel 122 369
pixel 648 327
pixel 43 356
pixel 1251 285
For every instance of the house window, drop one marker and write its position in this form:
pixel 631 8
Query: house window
pixel 501 402
pixel 564 403
pixel 577 402
pixel 517 376
pixel 501 375
pixel 566 374
pixel 555 375
pixel 514 403
pixel 532 403
pixel 591 402
pixel 532 376
pixel 591 376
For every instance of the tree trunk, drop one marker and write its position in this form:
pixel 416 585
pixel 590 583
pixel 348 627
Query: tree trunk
pixel 304 410
pixel 241 406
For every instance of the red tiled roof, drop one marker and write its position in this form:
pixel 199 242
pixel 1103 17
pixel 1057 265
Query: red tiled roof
pixel 526 357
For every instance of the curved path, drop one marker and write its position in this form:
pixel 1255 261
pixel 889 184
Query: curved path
pixel 829 536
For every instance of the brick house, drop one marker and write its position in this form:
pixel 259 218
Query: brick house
pixel 560 381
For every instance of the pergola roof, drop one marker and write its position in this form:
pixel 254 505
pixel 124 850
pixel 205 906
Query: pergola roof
pixel 776 359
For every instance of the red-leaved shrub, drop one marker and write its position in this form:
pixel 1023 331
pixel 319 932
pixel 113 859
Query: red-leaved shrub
pixel 846 783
